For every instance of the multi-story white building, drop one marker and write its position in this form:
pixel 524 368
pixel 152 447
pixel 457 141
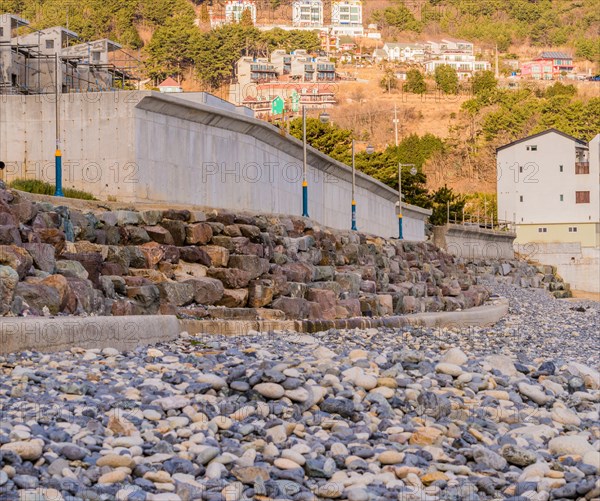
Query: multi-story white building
pixel 404 52
pixel 456 53
pixel 235 8
pixel 346 18
pixel 548 184
pixel 307 13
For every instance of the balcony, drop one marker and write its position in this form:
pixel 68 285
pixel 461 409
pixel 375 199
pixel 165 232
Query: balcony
pixel 263 68
pixel 582 167
pixel 325 67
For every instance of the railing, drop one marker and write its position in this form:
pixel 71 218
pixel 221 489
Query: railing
pixel 485 221
pixel 582 167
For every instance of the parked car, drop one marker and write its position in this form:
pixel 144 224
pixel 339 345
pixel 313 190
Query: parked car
pixel 595 78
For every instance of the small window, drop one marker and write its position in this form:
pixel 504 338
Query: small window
pixel 582 197
pixel 521 198
pixel 521 169
pixel 49 44
pixel 561 168
pixel 1 32
pixel 572 229
pixel 562 198
pixel 532 147
pixel 542 230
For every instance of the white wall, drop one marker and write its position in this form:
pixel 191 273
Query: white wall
pixel 541 183
pixel 142 146
pixel 578 266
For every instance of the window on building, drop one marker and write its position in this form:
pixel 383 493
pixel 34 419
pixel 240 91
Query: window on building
pixel 582 197
pixel 572 229
pixel 562 198
pixel 532 147
pixel 521 169
pixel 1 32
pixel 542 230
pixel 561 168
pixel 521 198
pixel 49 44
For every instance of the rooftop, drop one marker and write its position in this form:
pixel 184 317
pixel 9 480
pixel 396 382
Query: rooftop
pixel 554 55
pixel 579 142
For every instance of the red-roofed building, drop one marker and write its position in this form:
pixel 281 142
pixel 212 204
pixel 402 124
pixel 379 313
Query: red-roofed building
pixel 170 85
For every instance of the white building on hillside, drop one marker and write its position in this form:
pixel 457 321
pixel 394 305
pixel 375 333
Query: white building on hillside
pixel 548 184
pixel 404 52
pixel 235 8
pixel 346 18
pixel 307 13
pixel 456 53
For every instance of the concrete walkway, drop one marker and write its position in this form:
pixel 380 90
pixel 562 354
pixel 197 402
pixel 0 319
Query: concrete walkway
pixel 127 333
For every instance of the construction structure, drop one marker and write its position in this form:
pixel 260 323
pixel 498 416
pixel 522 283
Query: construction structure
pixel 55 59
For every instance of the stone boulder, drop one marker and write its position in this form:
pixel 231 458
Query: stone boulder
pixel 234 298
pixel 252 264
pixel 198 233
pixel 219 256
pixel 159 235
pixel 298 272
pixel 193 254
pixel 17 258
pixel 206 290
pixel 177 229
pixel 232 278
pixel 9 279
pixel 39 296
pixel 9 234
pixel 297 308
pixel 260 293
pixel 177 293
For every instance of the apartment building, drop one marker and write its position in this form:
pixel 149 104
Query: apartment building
pixel 459 54
pixel 548 184
pixel 307 14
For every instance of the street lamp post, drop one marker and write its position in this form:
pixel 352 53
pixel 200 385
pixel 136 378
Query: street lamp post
pixel 413 171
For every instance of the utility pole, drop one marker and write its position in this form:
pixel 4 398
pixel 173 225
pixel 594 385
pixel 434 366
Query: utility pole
pixel 497 73
pixel 396 123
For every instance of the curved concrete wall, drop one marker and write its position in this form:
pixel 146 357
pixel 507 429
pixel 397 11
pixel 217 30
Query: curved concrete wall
pixel 152 147
pixel 473 242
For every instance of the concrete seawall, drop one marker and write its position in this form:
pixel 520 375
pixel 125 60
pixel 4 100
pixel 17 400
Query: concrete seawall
pixel 473 242
pixel 144 146
pixel 577 265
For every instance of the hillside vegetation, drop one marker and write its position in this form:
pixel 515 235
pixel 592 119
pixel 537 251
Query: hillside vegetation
pixel 573 24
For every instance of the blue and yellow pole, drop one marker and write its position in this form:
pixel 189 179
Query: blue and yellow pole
pixel 353 227
pixel 304 166
pixel 400 236
pixel 58 154
pixel 58 173
pixel 304 198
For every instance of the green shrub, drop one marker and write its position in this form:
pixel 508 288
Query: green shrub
pixel 42 188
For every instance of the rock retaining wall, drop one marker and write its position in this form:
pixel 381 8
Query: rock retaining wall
pixel 220 265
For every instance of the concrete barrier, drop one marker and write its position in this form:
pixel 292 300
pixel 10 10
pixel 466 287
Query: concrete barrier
pixel 480 316
pixel 472 242
pixel 63 333
pixel 127 333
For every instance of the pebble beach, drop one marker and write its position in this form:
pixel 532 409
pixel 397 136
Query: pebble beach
pixel 503 412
